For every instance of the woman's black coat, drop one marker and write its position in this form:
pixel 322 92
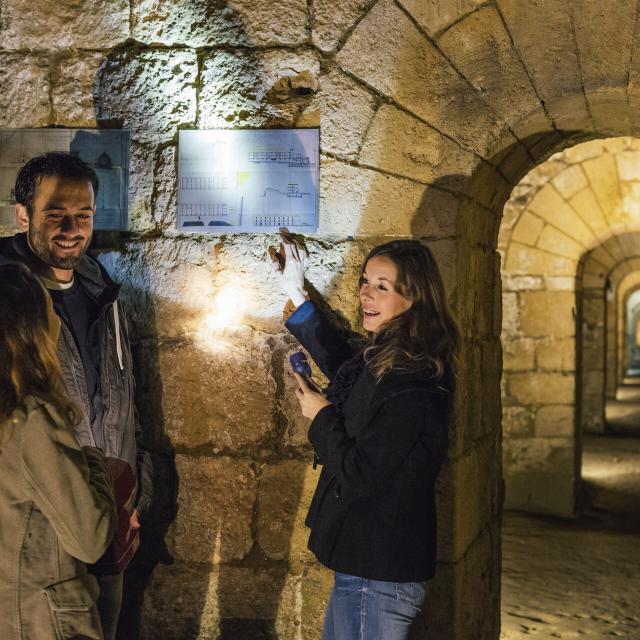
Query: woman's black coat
pixel 373 513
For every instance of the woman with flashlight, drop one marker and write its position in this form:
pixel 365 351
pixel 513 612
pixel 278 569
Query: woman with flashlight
pixel 56 503
pixel 380 433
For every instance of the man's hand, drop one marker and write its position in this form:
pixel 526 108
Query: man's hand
pixel 310 400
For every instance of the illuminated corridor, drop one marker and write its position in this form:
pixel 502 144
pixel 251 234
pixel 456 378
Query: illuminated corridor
pixel 578 579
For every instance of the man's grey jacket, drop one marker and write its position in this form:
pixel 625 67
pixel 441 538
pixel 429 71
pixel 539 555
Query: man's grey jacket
pixel 120 428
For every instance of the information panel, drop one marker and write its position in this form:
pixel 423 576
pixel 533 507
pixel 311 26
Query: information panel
pixel 106 150
pixel 248 180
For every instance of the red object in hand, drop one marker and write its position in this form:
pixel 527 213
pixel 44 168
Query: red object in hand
pixel 127 539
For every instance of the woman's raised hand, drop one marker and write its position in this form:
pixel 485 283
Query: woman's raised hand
pixel 289 268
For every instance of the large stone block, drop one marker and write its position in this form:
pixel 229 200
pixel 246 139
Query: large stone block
pixel 570 180
pixel 67 24
pixel 557 355
pixel 555 241
pixel 517 422
pixel 216 498
pixel 205 23
pixel 628 165
pixel 530 261
pixel 435 16
pixel 284 495
pixel 398 143
pixel 24 90
pixel 475 503
pixel 357 201
pixel 150 92
pixel 584 203
pixel 549 205
pixel 332 21
pixel 602 65
pixel 541 388
pixel 518 354
pixel 203 603
pixel 527 229
pixel 555 68
pixel 256 88
pixel 602 173
pixel 554 456
pixel 480 47
pixel 418 77
pixel 556 421
pixel 343 108
pixel 541 493
pixel 547 313
pixel 477 583
pixel 223 398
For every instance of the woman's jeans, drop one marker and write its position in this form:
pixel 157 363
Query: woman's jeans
pixel 363 609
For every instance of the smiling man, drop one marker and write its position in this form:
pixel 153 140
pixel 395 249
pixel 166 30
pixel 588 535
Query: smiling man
pixel 55 207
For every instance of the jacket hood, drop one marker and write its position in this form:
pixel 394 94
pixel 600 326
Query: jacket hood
pixel 92 274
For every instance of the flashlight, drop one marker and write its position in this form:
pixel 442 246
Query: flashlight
pixel 300 365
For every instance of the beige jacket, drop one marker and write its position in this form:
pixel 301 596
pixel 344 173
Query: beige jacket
pixel 57 514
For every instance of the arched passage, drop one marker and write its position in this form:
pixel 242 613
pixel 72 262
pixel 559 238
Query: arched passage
pixel 569 224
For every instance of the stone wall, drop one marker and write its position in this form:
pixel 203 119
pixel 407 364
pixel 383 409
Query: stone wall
pixel 430 113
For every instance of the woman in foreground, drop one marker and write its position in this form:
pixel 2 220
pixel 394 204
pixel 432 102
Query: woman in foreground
pixel 56 503
pixel 380 433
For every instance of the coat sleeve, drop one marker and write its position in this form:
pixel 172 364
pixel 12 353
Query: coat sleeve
pixel 327 345
pixel 70 486
pixel 368 462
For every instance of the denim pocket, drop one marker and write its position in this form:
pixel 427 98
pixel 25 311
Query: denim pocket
pixel 346 585
pixel 412 593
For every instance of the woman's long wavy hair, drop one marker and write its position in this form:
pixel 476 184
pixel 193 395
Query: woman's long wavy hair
pixel 426 336
pixel 28 360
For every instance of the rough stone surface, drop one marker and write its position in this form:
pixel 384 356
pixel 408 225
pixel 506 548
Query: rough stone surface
pixel 210 398
pixel 437 15
pixel 332 21
pixel 535 319
pixel 205 23
pixel 428 85
pixel 24 91
pixel 543 388
pixel 283 500
pixel 72 92
pixel 241 88
pixel 480 47
pixel 149 92
pixel 555 68
pixel 72 24
pixel 401 144
pixel 343 109
pixel 215 509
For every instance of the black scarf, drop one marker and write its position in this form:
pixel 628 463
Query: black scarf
pixel 340 388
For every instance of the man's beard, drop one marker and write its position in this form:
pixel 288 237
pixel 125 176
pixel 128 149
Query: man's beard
pixel 40 246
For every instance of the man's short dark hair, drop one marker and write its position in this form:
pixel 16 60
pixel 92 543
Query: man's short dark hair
pixel 55 163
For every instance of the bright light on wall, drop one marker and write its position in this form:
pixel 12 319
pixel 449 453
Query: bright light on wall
pixel 227 308
pixel 222 315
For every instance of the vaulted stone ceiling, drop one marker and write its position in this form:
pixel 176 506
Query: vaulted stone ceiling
pixel 583 200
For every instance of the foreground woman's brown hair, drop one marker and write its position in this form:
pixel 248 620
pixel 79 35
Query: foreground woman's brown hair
pixel 28 361
pixel 425 337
